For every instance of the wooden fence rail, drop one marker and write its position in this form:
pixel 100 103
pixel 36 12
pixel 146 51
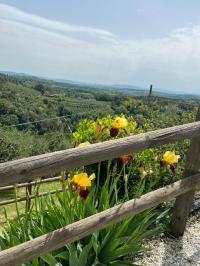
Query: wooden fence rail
pixel 33 183
pixel 73 232
pixel 28 197
pixel 6 202
pixel 27 169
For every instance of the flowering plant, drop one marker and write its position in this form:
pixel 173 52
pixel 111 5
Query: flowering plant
pixel 100 130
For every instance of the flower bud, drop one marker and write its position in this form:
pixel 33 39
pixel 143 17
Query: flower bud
pixel 150 172
pixel 126 178
pixel 143 172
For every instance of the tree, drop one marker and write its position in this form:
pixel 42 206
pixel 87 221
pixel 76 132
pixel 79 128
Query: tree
pixel 40 88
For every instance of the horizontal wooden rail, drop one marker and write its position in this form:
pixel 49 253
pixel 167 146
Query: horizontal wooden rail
pixel 6 202
pixel 29 168
pixel 73 232
pixel 33 183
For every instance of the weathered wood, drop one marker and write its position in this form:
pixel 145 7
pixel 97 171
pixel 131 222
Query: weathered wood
pixel 183 203
pixel 26 169
pixel 38 182
pixel 6 202
pixel 73 232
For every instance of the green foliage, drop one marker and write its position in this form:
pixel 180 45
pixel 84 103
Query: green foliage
pixel 24 100
pixel 87 113
pixel 105 247
pixel 40 88
pixel 145 172
pixel 15 144
pixel 87 129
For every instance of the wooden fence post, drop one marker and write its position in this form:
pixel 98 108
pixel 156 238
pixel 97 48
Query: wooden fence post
pixel 184 202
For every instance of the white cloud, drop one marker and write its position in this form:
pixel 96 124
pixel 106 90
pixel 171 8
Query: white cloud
pixel 15 15
pixel 44 47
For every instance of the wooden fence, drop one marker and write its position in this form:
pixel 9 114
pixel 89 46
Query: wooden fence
pixel 24 170
pixel 28 187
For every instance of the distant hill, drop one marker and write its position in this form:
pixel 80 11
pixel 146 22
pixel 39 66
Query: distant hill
pixel 121 88
pixel 38 115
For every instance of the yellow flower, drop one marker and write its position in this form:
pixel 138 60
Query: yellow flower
pixel 170 157
pixel 83 144
pixel 120 122
pixel 82 180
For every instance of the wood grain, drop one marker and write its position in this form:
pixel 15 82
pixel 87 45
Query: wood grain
pixel 73 232
pixel 183 203
pixel 24 170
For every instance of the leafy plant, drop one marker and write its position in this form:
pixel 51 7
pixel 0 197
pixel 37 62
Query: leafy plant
pixel 106 247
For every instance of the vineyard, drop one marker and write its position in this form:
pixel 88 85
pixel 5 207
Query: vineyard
pixel 118 162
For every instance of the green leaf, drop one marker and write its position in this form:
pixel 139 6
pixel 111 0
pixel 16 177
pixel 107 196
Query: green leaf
pixel 73 259
pixel 84 255
pixel 50 260
pixel 62 255
pixel 35 262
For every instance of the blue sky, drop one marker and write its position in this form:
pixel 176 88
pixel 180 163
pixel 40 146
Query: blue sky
pixel 106 41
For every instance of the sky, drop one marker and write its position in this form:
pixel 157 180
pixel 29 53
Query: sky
pixel 135 42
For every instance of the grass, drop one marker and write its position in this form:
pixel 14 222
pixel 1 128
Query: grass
pixel 21 192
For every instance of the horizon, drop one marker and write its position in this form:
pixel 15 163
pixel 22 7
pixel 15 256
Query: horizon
pixel 92 45
pixel 111 85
